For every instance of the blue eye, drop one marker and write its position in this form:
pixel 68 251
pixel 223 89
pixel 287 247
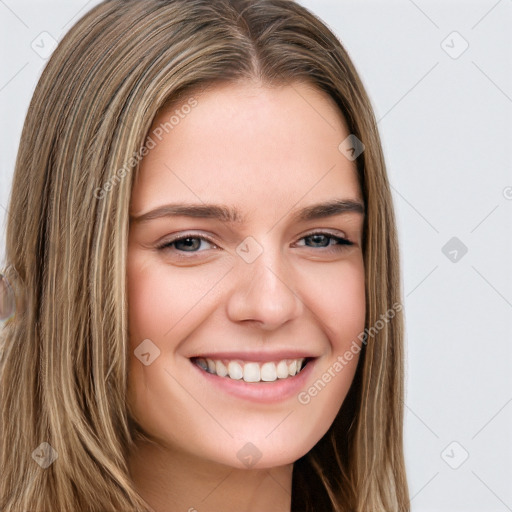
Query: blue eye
pixel 192 243
pixel 323 240
pixel 186 243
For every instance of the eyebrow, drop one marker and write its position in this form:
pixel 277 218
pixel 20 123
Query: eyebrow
pixel 233 215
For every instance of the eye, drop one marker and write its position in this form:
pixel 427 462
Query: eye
pixel 186 243
pixel 192 243
pixel 324 240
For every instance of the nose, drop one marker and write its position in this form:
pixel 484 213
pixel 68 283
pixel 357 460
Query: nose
pixel 263 293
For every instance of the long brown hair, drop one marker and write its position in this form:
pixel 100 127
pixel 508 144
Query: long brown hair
pixel 63 357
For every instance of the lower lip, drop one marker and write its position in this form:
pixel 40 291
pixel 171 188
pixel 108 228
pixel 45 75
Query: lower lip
pixel 261 392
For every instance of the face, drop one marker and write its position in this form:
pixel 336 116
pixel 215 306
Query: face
pixel 245 275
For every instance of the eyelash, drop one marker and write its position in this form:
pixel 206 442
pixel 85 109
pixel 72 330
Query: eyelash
pixel 341 243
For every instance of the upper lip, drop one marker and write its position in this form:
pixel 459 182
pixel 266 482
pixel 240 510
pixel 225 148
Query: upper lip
pixel 260 356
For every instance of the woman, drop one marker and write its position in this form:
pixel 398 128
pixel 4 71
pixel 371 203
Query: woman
pixel 202 246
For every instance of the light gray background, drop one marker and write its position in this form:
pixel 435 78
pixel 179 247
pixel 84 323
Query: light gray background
pixel 445 121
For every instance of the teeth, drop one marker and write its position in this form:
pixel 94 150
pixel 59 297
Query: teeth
pixel 282 370
pixel 220 369
pixel 235 370
pixel 268 372
pixel 252 372
pixel 202 363
pixel 211 366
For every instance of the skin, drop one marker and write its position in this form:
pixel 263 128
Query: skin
pixel 269 151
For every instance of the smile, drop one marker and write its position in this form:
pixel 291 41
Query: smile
pixel 268 371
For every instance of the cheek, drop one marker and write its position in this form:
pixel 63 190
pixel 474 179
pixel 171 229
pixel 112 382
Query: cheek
pixel 165 304
pixel 338 299
pixel 347 308
pixel 156 303
pixel 162 299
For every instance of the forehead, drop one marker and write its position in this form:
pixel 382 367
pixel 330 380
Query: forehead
pixel 247 144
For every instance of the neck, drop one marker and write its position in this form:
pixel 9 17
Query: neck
pixel 173 481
